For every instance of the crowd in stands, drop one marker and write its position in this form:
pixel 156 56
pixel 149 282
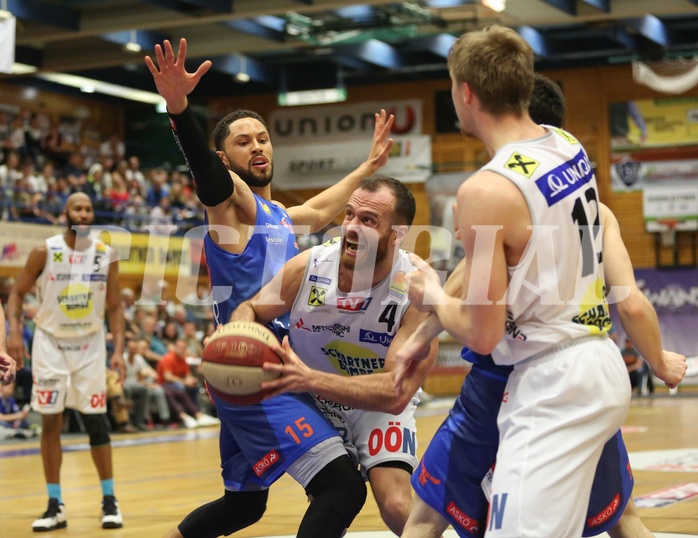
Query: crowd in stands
pixel 40 166
pixel 163 387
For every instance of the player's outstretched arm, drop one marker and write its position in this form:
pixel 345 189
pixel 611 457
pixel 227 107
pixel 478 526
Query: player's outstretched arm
pixel 637 315
pixel 319 211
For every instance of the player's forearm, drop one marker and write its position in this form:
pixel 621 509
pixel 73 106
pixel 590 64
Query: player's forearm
pixel 641 325
pixel 372 392
pixel 14 311
pixel 117 326
pixel 211 178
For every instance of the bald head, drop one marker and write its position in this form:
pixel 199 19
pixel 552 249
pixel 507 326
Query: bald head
pixel 77 197
pixel 79 212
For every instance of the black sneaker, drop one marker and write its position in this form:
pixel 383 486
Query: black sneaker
pixel 111 515
pixel 53 518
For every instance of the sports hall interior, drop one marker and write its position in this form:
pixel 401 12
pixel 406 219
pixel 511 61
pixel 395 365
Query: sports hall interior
pixel 164 472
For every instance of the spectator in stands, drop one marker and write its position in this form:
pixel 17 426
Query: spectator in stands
pixel 158 187
pixel 133 172
pixel 182 388
pixel 136 214
pixel 141 388
pixel 54 147
pixel 170 334
pixel 161 218
pixel 113 147
pixel 198 305
pixel 37 183
pixel 128 300
pixel 638 369
pixel 22 200
pixel 189 335
pixel 118 195
pixel 13 418
pixel 15 140
pixel 156 394
pixel 33 135
pixel 4 134
pixel 156 347
pixel 10 170
pixel 46 177
pixel 75 173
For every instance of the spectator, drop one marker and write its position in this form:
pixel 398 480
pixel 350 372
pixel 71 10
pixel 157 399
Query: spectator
pixel 141 388
pixel 182 388
pixel 638 370
pixel 136 214
pixel 75 173
pixel 13 419
pixel 113 147
pixel 156 347
pixel 33 135
pixel 198 306
pixel 128 300
pixel 133 172
pixel 118 195
pixel 118 403
pixel 158 187
pixel 161 218
pixel 170 334
pixel 54 147
pixel 15 140
pixel 194 347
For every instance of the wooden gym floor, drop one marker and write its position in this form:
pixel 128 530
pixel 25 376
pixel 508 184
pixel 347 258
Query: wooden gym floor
pixel 160 477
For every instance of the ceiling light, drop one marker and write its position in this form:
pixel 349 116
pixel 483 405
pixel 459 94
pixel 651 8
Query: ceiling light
pixel 243 76
pixel 102 87
pixel 22 69
pixel 87 89
pixel 4 14
pixel 132 44
pixel 312 97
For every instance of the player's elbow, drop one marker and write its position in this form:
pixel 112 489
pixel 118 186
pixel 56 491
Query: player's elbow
pixel 634 307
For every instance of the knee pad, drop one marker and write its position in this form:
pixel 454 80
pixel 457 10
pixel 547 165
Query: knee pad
pixel 234 511
pixel 96 427
pixel 340 488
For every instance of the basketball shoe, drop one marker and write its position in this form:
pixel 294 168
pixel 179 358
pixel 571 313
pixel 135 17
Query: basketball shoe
pixel 111 515
pixel 53 518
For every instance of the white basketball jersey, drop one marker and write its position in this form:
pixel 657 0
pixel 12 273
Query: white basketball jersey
pixel 557 291
pixel 72 288
pixel 346 334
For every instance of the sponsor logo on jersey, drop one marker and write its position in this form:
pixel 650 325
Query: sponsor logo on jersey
pixel 425 476
pixel 45 382
pixel 320 279
pixel 275 240
pixel 301 325
pixel 605 514
pixel 317 296
pixel 522 164
pixel 567 136
pixel 75 301
pixel 266 209
pixel 57 257
pixel 266 463
pixel 566 179
pixel 353 304
pixel 372 337
pixel 73 347
pixel 593 310
pixel 398 285
pixel 512 329
pixel 46 397
pixel 92 277
pixel 465 521
pixel 272 226
pixel 337 329
pixel 352 359
pixel 77 258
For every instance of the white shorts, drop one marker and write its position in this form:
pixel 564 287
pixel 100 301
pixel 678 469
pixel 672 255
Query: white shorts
pixel 69 372
pixel 557 412
pixel 378 437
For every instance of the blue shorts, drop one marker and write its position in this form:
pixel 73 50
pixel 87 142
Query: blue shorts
pixel 259 442
pixel 449 477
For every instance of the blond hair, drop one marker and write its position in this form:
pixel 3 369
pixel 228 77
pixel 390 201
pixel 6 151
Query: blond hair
pixel 497 65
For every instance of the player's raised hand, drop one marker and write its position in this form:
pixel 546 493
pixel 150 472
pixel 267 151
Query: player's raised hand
pixel 382 143
pixel 171 77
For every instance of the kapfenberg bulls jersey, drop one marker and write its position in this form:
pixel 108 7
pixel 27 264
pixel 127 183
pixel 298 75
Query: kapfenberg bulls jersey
pixel 557 292
pixel 72 288
pixel 346 333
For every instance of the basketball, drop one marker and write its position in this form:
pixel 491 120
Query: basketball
pixel 233 358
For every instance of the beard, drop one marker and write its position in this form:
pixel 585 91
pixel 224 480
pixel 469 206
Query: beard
pixel 81 230
pixel 253 179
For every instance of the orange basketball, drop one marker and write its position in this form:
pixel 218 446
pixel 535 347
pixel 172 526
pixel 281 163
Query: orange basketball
pixel 232 361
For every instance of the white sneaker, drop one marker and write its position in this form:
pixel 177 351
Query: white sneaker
pixel 207 420
pixel 189 422
pixel 54 518
pixel 111 515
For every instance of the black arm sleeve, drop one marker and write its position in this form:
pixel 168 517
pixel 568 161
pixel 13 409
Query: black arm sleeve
pixel 211 178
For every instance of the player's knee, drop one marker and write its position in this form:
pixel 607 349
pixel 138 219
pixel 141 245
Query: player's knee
pixel 250 504
pixel 394 510
pixel 341 486
pixel 96 428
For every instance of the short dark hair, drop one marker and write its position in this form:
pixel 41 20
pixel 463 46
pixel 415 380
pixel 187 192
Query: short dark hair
pixel 405 205
pixel 221 130
pixel 547 102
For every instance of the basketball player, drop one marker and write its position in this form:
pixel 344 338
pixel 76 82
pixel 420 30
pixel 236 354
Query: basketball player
pixel 465 445
pixel 538 307
pixel 77 279
pixel 348 308
pixel 249 239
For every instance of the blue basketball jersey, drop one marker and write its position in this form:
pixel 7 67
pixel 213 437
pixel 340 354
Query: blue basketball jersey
pixel 237 277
